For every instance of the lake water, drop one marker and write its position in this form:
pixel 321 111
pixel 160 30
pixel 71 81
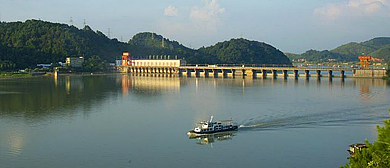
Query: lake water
pixel 137 121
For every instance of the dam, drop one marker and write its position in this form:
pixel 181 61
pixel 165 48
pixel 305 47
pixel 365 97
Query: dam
pixel 259 71
pixel 166 66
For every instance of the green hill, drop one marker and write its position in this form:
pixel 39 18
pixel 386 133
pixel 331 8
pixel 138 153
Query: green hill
pixel 353 49
pixel 383 52
pixel 246 51
pixel 146 43
pixel 25 44
pixel 377 42
pixel 377 47
pixel 34 41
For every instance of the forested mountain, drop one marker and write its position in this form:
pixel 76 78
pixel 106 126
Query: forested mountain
pixel 146 43
pixel 377 47
pixel 24 44
pixel 236 51
pixel 34 41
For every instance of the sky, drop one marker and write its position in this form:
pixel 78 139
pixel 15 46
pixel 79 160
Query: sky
pixel 290 26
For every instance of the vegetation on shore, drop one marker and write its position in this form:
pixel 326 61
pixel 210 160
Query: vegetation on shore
pixel 26 44
pixel 376 154
pixel 13 74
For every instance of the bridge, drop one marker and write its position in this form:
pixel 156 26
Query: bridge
pixel 250 71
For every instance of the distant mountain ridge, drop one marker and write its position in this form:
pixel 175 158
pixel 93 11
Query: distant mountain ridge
pixel 35 41
pixel 377 47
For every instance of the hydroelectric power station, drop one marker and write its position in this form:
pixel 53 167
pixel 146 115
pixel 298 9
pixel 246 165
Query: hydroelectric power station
pixel 164 65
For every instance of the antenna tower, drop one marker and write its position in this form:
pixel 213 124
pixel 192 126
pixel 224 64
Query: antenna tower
pixel 109 33
pixel 162 42
pixel 85 23
pixel 71 21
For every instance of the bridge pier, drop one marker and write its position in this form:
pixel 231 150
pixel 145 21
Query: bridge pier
pixel 296 75
pixel 274 74
pixel 285 74
pixel 189 72
pixel 264 73
pixel 225 73
pixel 330 74
pixel 206 73
pixel 255 73
pixel 319 74
pixel 215 73
pixel 342 74
pixel 307 74
pixel 180 73
pixel 233 73
pixel 197 73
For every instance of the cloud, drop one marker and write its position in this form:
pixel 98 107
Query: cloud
pixel 170 11
pixel 209 12
pixel 201 20
pixel 354 8
pixel 329 12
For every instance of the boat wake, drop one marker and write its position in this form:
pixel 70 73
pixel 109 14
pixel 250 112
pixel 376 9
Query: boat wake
pixel 348 116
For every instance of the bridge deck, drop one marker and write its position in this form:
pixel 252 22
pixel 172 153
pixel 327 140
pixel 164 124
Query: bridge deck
pixel 268 68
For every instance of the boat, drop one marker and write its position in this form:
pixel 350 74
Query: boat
pixel 212 127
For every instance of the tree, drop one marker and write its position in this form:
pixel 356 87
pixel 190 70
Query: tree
pixel 376 154
pixel 95 63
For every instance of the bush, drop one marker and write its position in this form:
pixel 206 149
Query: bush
pixel 376 154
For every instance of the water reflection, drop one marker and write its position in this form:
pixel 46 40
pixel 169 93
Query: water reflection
pixel 15 141
pixel 63 96
pixel 211 138
pixel 40 97
pixel 367 93
pixel 149 84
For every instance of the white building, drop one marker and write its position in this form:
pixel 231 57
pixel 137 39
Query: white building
pixel 74 61
pixel 157 62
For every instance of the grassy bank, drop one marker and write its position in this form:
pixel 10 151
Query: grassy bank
pixel 13 75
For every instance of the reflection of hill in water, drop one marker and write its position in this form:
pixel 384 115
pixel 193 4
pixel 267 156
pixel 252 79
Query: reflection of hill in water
pixel 44 96
pixel 40 97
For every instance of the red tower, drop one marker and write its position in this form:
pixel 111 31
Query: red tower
pixel 125 58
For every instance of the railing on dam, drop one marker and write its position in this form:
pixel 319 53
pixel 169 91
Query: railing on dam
pixel 268 66
pixel 238 65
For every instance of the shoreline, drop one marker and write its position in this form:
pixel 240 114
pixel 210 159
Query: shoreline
pixel 16 76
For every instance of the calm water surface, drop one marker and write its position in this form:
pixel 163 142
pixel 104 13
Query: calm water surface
pixel 133 121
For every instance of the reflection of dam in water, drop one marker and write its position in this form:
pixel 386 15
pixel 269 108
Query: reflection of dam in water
pixel 147 83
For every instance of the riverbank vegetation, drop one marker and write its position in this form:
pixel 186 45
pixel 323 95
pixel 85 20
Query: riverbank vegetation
pixel 13 75
pixel 376 154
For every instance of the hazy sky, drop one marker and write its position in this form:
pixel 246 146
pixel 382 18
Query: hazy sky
pixel 291 26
